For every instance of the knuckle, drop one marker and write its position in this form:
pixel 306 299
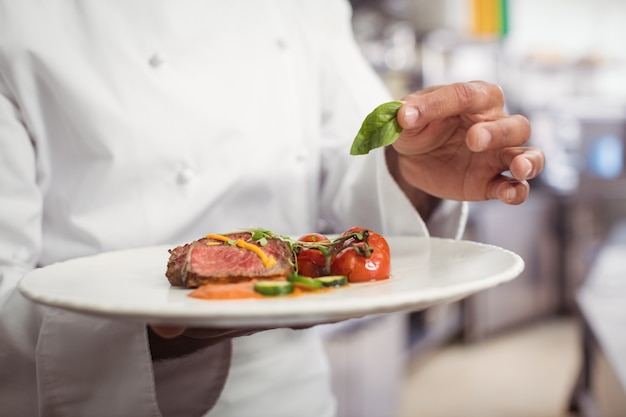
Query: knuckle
pixel 464 93
pixel 498 91
pixel 492 93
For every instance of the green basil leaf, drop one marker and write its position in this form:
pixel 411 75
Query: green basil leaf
pixel 380 128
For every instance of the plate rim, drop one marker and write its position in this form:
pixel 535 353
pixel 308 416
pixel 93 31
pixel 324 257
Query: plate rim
pixel 278 316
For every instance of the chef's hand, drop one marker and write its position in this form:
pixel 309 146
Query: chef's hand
pixel 457 143
pixel 174 341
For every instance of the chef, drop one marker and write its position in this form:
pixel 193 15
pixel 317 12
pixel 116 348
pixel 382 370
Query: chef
pixel 137 123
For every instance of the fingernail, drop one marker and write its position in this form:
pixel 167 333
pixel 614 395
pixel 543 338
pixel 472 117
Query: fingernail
pixel 410 116
pixel 484 137
pixel 529 169
pixel 511 193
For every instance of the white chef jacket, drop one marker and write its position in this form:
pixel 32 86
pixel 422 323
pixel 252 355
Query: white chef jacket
pixel 142 122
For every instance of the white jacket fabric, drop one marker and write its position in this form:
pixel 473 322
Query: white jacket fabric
pixel 142 122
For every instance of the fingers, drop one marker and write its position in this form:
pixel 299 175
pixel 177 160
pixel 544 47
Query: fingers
pixel 438 103
pixel 508 134
pixel 523 164
pixel 171 332
pixel 508 190
pixel 200 333
pixel 502 133
pixel 167 332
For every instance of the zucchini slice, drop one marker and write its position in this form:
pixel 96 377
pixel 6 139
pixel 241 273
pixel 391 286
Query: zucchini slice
pixel 305 283
pixel 273 288
pixel 333 280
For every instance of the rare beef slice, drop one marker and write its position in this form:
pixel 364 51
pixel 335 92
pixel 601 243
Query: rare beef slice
pixel 211 261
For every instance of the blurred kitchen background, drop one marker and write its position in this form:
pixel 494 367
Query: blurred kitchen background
pixel 551 343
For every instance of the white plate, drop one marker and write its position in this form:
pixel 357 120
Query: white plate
pixel 131 284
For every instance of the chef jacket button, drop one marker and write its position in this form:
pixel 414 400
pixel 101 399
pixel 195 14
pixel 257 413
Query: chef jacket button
pixel 156 60
pixel 301 156
pixel 184 176
pixel 281 43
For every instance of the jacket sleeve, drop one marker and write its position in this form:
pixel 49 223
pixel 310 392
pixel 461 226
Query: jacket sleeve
pixel 358 190
pixel 43 350
pixel 56 362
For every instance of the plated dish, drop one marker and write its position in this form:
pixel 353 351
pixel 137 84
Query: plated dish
pixel 130 285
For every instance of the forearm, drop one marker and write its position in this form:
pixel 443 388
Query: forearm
pixel 424 203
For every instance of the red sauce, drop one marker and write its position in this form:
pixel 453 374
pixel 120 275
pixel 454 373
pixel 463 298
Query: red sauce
pixel 241 290
pixel 226 291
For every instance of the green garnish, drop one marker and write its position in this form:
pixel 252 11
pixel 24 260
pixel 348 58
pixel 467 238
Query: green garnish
pixel 327 248
pixel 380 128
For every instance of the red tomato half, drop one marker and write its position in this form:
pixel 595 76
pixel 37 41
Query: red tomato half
pixel 311 262
pixel 362 264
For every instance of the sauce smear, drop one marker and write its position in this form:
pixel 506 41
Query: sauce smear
pixel 242 290
pixel 234 291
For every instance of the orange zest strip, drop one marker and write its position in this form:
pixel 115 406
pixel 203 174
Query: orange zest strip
pixel 268 261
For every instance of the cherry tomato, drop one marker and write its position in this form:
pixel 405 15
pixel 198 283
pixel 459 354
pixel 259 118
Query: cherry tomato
pixel 311 262
pixel 313 237
pixel 354 230
pixel 375 240
pixel 362 262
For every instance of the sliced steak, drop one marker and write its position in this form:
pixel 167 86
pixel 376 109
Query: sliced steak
pixel 210 261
